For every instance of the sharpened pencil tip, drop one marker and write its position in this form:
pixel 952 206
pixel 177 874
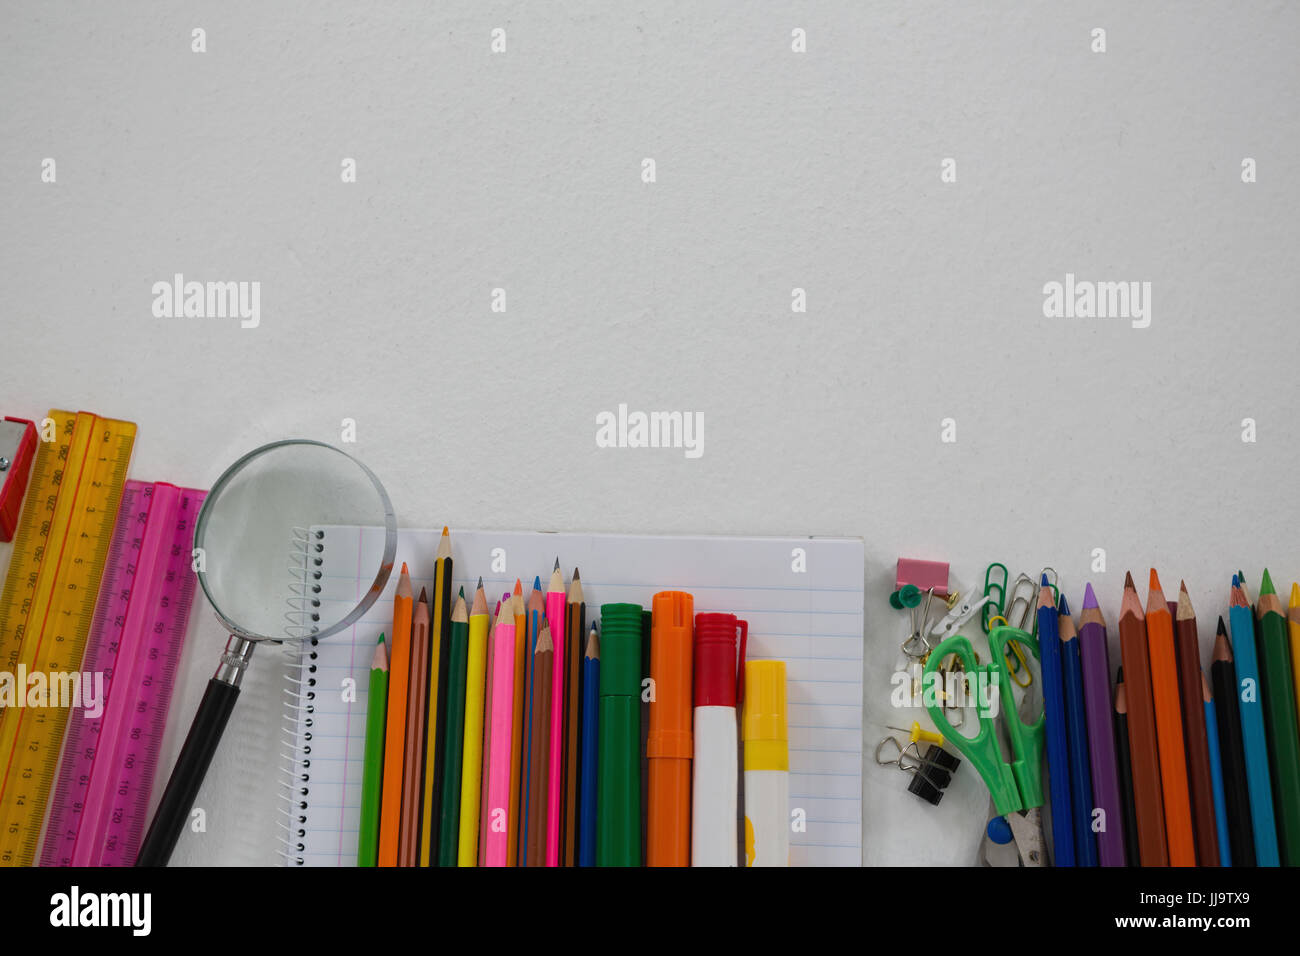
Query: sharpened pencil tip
pixel 1295 594
pixel 445 531
pixel 1236 581
pixel 1043 582
pixel 480 581
pixel 1182 586
pixel 404 571
pixel 537 582
pixel 1266 586
pixel 1153 583
pixel 1128 580
pixel 424 597
pixel 1063 605
pixel 1089 597
pixel 557 564
pixel 1221 629
pixel 462 591
pixel 576 575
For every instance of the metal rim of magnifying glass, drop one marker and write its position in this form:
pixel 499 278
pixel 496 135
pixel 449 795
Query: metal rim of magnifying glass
pixel 385 566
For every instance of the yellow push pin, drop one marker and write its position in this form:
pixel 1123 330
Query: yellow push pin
pixel 919 733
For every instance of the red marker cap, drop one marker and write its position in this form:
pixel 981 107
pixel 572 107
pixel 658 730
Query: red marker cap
pixel 715 658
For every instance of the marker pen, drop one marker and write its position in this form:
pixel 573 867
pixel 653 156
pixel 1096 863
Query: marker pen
pixel 713 795
pixel 668 745
pixel 618 782
pixel 767 765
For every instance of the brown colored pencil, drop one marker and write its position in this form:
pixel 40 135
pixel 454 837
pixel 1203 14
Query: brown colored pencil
pixel 539 765
pixel 1144 752
pixel 1199 778
pixel 576 609
pixel 416 722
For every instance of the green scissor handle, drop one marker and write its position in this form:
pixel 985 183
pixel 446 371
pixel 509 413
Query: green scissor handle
pixel 1014 785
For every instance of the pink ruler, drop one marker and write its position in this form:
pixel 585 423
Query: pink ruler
pixel 105 780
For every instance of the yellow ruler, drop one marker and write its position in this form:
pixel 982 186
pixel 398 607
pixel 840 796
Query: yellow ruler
pixel 46 607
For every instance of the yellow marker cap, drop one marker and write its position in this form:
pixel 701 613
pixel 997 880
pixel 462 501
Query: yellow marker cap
pixel 763 722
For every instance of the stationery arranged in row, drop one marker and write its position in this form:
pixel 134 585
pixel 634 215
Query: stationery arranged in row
pixel 1169 767
pixel 93 616
pixel 526 735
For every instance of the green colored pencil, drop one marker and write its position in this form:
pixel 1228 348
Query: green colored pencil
pixel 1278 691
pixel 373 777
pixel 454 734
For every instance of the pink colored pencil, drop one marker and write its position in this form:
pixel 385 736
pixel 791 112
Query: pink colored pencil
pixel 555 602
pixel 499 742
pixel 487 741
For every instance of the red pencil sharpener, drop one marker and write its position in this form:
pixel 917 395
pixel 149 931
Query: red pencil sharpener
pixel 17 448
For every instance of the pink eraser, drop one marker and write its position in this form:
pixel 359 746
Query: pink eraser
pixel 923 574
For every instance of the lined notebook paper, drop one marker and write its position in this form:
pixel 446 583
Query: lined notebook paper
pixel 812 619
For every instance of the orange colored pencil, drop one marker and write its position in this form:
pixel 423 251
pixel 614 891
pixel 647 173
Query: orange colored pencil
pixel 517 737
pixel 1169 727
pixel 1144 753
pixel 399 670
pixel 408 842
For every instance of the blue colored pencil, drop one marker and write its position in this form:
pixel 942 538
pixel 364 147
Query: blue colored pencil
pixel 590 752
pixel 1253 740
pixel 1058 748
pixel 1076 721
pixel 1216 775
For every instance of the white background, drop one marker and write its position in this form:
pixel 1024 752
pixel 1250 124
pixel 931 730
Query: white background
pixel 775 170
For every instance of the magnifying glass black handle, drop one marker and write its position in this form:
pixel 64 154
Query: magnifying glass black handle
pixel 196 755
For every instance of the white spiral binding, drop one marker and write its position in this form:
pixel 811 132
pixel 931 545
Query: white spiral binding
pixel 296 720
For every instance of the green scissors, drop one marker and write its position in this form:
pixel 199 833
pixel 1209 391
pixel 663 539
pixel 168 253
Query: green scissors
pixel 1016 786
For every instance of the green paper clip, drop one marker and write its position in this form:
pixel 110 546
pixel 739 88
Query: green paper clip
pixel 995 592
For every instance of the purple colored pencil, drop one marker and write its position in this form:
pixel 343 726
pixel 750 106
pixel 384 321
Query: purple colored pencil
pixel 1095 656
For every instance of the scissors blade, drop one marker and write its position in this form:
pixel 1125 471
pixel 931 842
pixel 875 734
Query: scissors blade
pixel 1027 831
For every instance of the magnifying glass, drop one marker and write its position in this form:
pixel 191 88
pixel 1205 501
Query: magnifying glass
pixel 275 496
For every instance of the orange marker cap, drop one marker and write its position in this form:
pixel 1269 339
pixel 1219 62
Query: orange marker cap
pixel 671 656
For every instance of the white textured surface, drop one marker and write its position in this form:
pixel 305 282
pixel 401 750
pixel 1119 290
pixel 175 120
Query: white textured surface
pixel 775 170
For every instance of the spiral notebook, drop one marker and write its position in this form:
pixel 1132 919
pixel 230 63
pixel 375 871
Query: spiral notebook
pixel 802 597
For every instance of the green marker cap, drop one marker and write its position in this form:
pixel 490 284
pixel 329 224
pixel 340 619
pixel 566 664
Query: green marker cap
pixel 620 650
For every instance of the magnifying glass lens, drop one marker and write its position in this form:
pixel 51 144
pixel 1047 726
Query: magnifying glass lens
pixel 257 523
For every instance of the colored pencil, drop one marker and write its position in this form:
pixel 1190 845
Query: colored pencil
pixel 1293 630
pixel 1058 748
pixel 1254 741
pixel 1232 753
pixel 1143 748
pixel 1094 656
pixel 1181 841
pixel 544 665
pixel 417 716
pixel 1200 780
pixel 555 752
pixel 517 721
pixel 399 679
pixel 1124 763
pixel 435 747
pixel 534 613
pixel 576 609
pixel 1076 725
pixel 1222 841
pixel 590 749
pixel 372 777
pixel 472 761
pixel 454 734
pixel 432 768
pixel 1278 691
pixel 485 763
pixel 497 834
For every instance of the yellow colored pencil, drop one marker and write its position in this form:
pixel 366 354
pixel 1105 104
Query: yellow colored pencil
pixel 472 762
